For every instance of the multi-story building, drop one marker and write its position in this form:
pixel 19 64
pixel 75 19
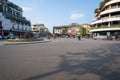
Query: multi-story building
pixel 107 21
pixel 39 29
pixel 87 26
pixel 70 30
pixel 12 20
pixel 57 30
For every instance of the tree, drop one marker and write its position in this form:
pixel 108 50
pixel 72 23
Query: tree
pixel 102 4
pixel 82 31
pixel 96 11
pixel 64 31
pixel 106 1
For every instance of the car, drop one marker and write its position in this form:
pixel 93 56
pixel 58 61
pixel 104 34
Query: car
pixel 100 37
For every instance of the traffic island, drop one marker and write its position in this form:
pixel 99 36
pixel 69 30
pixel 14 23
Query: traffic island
pixel 24 41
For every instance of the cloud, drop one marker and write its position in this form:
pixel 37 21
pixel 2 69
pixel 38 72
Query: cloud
pixel 27 9
pixel 76 16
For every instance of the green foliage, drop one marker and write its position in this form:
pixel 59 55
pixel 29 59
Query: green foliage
pixel 23 40
pixel 96 10
pixel 106 1
pixel 102 3
pixel 64 31
pixel 82 31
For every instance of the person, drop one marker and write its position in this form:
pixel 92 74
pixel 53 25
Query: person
pixel 54 36
pixel 48 36
pixel 79 37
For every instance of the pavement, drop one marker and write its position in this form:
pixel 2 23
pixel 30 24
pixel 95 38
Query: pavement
pixel 61 59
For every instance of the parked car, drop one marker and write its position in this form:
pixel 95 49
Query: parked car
pixel 100 37
pixel 10 37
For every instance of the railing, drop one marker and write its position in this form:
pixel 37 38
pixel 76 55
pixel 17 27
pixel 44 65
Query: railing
pixel 21 19
pixel 102 27
pixel 110 10
pixel 110 17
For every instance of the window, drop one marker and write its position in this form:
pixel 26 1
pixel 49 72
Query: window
pixel 113 6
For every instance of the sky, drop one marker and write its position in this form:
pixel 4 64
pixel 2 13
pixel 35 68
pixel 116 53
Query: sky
pixel 58 12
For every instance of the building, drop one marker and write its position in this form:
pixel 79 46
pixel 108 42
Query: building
pixel 39 29
pixel 57 30
pixel 87 26
pixel 65 30
pixel 107 21
pixel 12 20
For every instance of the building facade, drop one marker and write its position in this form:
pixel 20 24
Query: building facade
pixel 12 20
pixel 57 30
pixel 69 30
pixel 39 30
pixel 107 21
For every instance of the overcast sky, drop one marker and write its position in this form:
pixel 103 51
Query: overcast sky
pixel 58 12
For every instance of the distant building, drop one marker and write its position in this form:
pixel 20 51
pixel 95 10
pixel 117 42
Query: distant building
pixel 70 30
pixel 12 20
pixel 107 21
pixel 74 25
pixel 86 26
pixel 57 30
pixel 39 29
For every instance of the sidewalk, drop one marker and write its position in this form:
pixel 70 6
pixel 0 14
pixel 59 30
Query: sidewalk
pixel 2 42
pixel 19 43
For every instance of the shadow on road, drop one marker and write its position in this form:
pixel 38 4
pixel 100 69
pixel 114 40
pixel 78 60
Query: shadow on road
pixel 103 62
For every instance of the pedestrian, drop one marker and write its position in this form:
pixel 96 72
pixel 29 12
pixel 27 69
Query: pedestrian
pixel 54 36
pixel 79 37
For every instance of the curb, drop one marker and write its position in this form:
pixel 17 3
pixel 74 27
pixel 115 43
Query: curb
pixel 19 43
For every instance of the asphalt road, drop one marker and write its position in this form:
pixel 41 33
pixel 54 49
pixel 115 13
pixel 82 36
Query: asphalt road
pixel 61 59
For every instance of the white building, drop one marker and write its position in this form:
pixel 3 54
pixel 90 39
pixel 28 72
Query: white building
pixel 39 29
pixel 107 21
pixel 12 20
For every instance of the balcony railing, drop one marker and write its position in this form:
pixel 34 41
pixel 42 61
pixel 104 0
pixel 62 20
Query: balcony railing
pixel 20 19
pixel 111 10
pixel 109 17
pixel 103 27
pixel 113 18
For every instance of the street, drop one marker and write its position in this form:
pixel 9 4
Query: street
pixel 61 59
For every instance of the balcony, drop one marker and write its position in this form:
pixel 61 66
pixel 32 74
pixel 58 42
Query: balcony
pixel 10 4
pixel 112 2
pixel 106 19
pixel 105 28
pixel 20 19
pixel 110 11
